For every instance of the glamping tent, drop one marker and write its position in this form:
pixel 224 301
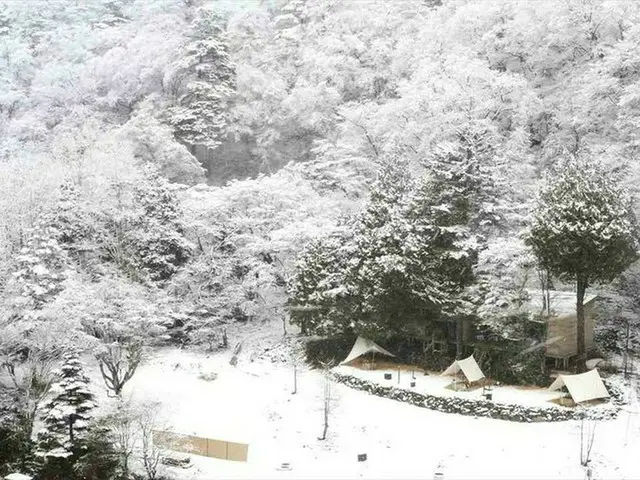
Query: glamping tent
pixel 469 368
pixel 582 387
pixel 362 347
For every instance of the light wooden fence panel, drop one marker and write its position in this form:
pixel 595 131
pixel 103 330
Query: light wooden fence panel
pixel 237 451
pixel 207 447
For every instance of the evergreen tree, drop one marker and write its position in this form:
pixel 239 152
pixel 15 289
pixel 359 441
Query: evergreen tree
pixel 68 217
pixel 443 249
pixel 411 258
pixel 462 182
pixel 66 421
pixel 388 194
pixel 583 231
pixel 205 79
pixel 148 241
pixel 15 441
pixel 318 297
pixel 392 289
pixel 155 241
pixel 445 212
pixel 39 269
pixel 414 251
pixel 100 459
pixel 458 207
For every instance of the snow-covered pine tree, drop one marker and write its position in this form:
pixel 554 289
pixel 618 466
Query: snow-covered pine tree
pixel 203 82
pixel 318 295
pixel 156 199
pixel 61 442
pixel 388 193
pixel 391 290
pixel 445 211
pixel 583 231
pixel 39 269
pixel 156 241
pixel 462 181
pixel 441 246
pixel 68 216
pixel 449 211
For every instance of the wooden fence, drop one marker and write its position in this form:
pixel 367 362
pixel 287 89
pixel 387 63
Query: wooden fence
pixel 207 447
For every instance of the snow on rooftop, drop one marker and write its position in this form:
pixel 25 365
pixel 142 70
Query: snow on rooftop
pixel 563 303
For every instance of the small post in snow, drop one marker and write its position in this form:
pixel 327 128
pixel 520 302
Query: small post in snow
pixel 295 379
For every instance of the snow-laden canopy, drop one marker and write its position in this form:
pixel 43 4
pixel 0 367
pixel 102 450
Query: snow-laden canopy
pixel 363 346
pixel 582 387
pixel 468 366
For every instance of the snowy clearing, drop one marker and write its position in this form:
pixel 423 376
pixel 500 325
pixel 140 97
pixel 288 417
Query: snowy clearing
pixel 253 403
pixel 435 384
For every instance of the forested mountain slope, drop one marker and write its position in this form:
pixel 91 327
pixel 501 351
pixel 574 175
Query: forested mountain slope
pixel 196 172
pixel 115 114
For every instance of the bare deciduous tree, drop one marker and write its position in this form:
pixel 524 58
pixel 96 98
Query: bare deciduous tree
pixel 151 454
pixel 31 373
pixel 587 436
pixel 297 361
pixel 326 367
pixel 124 427
pixel 118 362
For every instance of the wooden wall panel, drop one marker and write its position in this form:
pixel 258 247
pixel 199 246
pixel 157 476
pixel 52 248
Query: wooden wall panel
pixel 216 449
pixel 237 452
pixel 207 447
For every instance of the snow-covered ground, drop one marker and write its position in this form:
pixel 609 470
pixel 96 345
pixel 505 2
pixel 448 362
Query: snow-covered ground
pixel 253 403
pixel 434 384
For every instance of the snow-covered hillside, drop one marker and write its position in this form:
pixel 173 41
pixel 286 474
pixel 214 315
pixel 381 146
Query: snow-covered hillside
pixel 201 199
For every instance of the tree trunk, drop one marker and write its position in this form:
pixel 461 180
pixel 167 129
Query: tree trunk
pixel 581 357
pixel 327 403
pixel 626 353
pixel 459 339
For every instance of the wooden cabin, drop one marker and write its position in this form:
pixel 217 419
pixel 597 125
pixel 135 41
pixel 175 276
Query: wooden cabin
pixel 561 322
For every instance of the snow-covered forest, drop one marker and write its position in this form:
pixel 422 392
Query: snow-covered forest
pixel 255 182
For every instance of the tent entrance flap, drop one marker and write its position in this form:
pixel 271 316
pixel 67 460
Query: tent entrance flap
pixel 362 346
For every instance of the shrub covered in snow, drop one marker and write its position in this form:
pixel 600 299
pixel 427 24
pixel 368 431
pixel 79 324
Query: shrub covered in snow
pixel 14 443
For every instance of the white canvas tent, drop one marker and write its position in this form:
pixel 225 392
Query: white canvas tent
pixel 362 347
pixel 468 366
pixel 582 387
pixel 17 476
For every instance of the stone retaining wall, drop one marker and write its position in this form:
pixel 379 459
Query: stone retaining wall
pixel 485 408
